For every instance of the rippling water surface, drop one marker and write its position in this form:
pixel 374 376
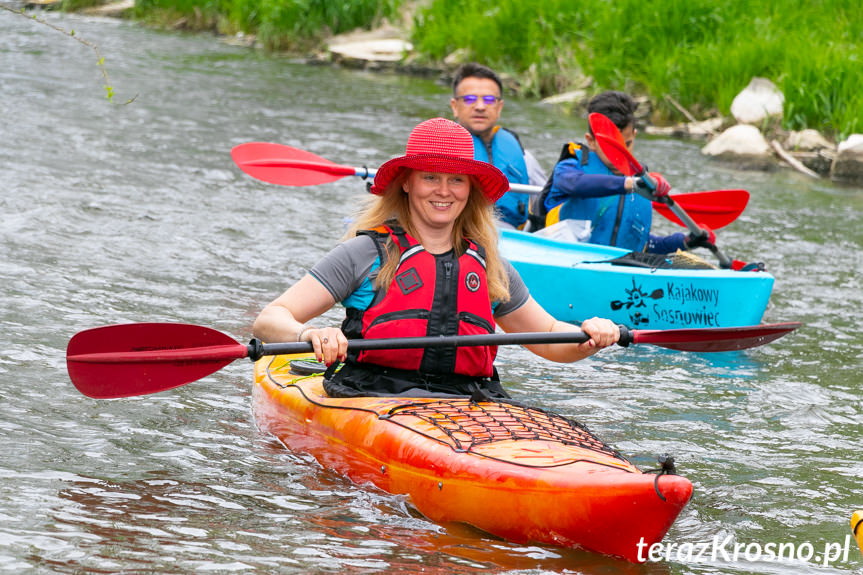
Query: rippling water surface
pixel 114 214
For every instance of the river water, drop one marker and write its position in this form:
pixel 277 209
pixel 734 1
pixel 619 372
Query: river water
pixel 135 213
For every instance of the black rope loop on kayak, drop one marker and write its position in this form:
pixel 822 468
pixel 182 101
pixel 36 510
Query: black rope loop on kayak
pixel 366 175
pixel 856 527
pixel 666 467
pixel 469 423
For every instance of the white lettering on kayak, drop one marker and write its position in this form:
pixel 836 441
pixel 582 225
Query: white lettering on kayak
pixel 689 292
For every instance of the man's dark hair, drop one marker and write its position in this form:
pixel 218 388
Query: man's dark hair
pixel 474 70
pixel 619 107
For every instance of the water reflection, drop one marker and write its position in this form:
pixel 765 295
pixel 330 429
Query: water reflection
pixel 160 524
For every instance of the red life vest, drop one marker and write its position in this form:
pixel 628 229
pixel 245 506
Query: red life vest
pixel 429 296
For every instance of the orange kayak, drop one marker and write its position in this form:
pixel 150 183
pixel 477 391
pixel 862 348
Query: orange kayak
pixel 520 473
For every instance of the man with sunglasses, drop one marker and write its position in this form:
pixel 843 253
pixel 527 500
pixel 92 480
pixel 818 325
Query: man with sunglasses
pixel 476 105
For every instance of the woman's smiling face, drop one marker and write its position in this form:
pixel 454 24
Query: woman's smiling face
pixel 436 199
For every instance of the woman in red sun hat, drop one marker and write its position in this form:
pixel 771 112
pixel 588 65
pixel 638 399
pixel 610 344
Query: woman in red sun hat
pixel 421 260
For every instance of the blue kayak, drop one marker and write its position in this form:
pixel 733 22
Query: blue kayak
pixel 577 281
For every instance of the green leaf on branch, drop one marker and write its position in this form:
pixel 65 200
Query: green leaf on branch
pixel 109 89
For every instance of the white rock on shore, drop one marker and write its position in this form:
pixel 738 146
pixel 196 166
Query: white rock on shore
pixel 573 96
pixel 111 9
pixel 759 100
pixel 383 50
pixel 808 140
pixel 743 144
pixel 848 164
pixel 363 48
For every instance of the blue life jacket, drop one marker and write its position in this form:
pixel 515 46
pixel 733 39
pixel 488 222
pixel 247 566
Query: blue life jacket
pixel 620 220
pixel 507 155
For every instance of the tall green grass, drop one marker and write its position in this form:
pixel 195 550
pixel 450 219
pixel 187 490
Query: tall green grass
pixel 701 52
pixel 278 24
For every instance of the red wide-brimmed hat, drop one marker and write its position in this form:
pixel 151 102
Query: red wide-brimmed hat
pixel 441 145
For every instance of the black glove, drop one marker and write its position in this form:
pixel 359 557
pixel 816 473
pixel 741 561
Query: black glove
pixel 700 240
pixel 662 185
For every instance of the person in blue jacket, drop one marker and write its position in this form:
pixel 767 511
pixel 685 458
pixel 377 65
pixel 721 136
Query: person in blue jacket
pixel 476 104
pixel 586 186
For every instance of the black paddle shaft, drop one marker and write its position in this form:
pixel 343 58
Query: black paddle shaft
pixel 258 349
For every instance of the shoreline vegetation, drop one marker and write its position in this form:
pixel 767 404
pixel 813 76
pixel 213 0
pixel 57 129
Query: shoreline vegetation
pixel 685 60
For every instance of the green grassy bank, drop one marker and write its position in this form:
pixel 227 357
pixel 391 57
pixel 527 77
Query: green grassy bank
pixel 291 25
pixel 701 52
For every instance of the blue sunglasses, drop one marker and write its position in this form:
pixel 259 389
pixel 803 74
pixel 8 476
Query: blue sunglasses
pixel 472 99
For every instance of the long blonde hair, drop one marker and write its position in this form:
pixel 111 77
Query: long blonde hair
pixel 476 222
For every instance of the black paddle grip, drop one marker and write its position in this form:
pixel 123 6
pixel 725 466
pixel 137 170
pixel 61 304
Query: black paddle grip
pixel 625 336
pixel 256 349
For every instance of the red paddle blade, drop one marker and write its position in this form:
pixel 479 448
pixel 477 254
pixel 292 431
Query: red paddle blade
pixel 703 209
pixel 610 141
pixel 136 359
pixel 286 166
pixel 714 209
pixel 715 339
